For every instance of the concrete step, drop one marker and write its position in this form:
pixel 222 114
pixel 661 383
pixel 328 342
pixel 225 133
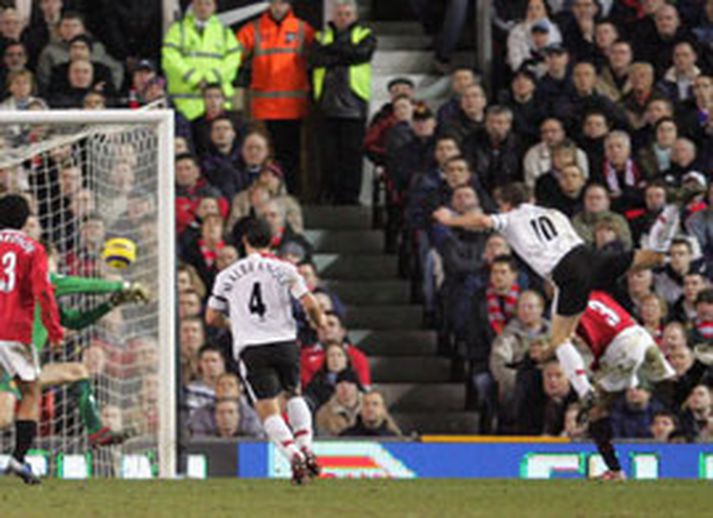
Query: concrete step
pixel 394 342
pixel 346 241
pixel 404 42
pixel 402 61
pixel 415 397
pixel 384 317
pixel 371 293
pixel 356 267
pixel 384 28
pixel 339 218
pixel 410 369
pixel 441 423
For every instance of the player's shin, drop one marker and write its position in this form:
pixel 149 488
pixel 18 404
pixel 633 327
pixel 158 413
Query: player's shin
pixel 280 434
pixel 573 367
pixel 301 422
pixel 601 431
pixel 82 392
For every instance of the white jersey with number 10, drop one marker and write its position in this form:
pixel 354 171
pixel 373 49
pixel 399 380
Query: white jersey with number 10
pixel 540 236
pixel 255 293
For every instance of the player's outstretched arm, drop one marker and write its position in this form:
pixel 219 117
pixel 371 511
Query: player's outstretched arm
pixel 313 310
pixel 471 220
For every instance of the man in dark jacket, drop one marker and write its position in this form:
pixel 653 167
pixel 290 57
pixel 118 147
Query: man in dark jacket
pixel 221 164
pixel 342 77
pixel 373 420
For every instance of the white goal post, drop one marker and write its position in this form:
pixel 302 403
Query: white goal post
pixel 161 124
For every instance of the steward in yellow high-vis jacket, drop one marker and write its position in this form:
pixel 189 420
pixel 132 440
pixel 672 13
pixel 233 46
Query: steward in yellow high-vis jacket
pixel 199 50
pixel 341 81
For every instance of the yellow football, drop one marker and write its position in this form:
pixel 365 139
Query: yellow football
pixel 119 252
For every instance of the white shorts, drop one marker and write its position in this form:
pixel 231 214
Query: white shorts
pixel 623 358
pixel 19 360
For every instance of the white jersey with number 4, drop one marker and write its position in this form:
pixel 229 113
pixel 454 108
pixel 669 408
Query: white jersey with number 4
pixel 255 293
pixel 540 236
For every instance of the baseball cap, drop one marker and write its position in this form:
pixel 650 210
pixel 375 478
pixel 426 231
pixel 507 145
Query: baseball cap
pixel 555 48
pixel 348 375
pixel 274 168
pixel 541 26
pixel 526 72
pixel 146 64
pixel 695 176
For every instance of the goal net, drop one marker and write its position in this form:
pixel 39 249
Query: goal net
pixel 90 177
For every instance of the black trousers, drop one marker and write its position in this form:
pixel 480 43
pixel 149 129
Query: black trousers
pixel 342 163
pixel 286 137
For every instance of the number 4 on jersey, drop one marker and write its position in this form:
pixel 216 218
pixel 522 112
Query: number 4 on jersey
pixel 256 305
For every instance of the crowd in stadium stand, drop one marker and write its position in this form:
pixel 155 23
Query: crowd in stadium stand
pixel 603 108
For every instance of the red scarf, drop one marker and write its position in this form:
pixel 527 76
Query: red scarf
pixel 209 255
pixel 501 308
pixel 614 182
pixel 277 239
pixel 705 329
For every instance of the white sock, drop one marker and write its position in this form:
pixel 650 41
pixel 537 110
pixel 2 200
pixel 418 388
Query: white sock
pixel 573 367
pixel 280 434
pixel 301 422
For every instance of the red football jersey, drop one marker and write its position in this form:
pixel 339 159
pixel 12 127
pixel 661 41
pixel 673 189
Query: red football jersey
pixel 602 321
pixel 24 280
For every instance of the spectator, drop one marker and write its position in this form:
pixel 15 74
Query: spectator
pixel 211 364
pixel 683 161
pixel 521 98
pixel 321 386
pixel 538 159
pixel 678 79
pixel 595 130
pixel 190 188
pixel 555 86
pixel 510 348
pixel 273 211
pixel 42 29
pixel 342 88
pixel 189 304
pixel 343 408
pixel 669 281
pixel 564 154
pixel 413 157
pixel 655 158
pixel 385 118
pixel 373 420
pixel 94 101
pixel 469 115
pixel 56 53
pixel 543 413
pixel 700 226
pixel 606 34
pixel 569 196
pixel 658 50
pixel 696 413
pixel 13 59
pixel 80 48
pixel 684 309
pixel 597 208
pixel 495 151
pixel 639 284
pixel 633 413
pixel 221 163
pixel 202 421
pixel 519 41
pixel 198 50
pixel 21 86
pixel 613 80
pixel 654 312
pixel 280 99
pixel 214 102
pixel 702 328
pixel 622 176
pixel 312 358
pixel 461 79
pixel 692 114
pixel 203 253
pixel 11 25
pixel 655 199
pixel 663 425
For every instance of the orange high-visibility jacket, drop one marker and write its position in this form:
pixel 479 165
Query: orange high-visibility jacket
pixel 280 83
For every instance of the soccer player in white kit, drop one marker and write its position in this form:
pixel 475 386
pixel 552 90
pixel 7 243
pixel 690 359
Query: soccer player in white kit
pixel 545 239
pixel 256 293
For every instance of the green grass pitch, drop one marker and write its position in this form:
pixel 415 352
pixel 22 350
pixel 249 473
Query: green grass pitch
pixel 362 498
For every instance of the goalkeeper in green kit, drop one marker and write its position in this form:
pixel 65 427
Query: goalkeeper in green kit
pixel 75 373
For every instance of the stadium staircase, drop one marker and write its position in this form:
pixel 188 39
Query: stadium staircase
pixel 384 324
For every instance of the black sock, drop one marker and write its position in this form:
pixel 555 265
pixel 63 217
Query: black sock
pixel 601 431
pixel 25 432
